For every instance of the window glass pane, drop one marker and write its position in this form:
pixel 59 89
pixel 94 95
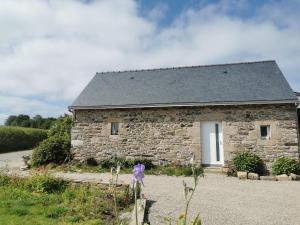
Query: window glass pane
pixel 264 131
pixel 114 128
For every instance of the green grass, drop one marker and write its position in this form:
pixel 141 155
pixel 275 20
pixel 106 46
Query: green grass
pixel 157 170
pixel 20 138
pixel 19 205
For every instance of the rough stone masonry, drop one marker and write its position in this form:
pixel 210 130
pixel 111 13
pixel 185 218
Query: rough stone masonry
pixel 172 135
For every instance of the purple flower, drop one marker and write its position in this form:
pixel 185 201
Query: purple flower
pixel 138 173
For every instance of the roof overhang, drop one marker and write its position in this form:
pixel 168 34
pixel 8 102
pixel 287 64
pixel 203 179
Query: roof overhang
pixel 190 104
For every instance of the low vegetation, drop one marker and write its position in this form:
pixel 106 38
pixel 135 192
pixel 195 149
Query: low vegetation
pixel 45 200
pixel 56 148
pixel 19 138
pixel 248 162
pixel 126 165
pixel 285 165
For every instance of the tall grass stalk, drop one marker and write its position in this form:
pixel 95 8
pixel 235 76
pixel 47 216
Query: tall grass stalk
pixel 114 181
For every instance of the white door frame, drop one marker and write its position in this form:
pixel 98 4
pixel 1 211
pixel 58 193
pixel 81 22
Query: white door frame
pixel 212 153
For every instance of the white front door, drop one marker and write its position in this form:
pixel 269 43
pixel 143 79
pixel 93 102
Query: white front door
pixel 212 143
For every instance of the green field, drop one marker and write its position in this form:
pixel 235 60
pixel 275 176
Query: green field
pixel 20 138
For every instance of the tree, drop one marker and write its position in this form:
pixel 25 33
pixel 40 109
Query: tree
pixel 37 121
pixel 25 121
pixel 11 121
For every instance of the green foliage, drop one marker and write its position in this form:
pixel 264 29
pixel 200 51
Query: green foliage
pixel 25 121
pixel 231 172
pixel 21 204
pixel 56 148
pixel 125 163
pixel 62 127
pixel 19 138
pixel 181 171
pixel 55 212
pixel 285 165
pixel 4 179
pixel 248 162
pixel 19 210
pixel 45 184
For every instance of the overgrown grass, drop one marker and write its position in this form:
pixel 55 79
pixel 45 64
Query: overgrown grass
pixel 20 138
pixel 22 205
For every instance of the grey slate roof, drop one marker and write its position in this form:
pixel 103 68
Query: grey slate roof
pixel 237 83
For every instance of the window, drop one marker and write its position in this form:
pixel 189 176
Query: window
pixel 114 128
pixel 265 132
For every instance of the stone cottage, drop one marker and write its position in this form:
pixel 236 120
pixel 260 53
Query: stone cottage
pixel 167 115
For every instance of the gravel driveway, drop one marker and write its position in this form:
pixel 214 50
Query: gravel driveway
pixel 220 200
pixel 13 159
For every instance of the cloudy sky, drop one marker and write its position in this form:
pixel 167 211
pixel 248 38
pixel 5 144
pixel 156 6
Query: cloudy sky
pixel 50 49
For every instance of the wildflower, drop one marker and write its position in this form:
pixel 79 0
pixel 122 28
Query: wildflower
pixel 138 173
pixel 138 176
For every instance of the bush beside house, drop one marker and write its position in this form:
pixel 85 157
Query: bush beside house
pixel 285 165
pixel 248 162
pixel 56 148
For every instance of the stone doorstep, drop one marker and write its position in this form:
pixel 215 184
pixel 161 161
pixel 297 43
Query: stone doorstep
pixel 213 170
pixel 141 206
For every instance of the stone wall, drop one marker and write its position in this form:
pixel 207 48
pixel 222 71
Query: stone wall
pixel 173 134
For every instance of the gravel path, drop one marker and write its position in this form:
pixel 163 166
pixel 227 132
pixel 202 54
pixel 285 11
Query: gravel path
pixel 13 159
pixel 220 200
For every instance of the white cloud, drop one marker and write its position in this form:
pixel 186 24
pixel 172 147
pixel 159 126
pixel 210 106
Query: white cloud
pixel 50 49
pixel 31 107
pixel 158 12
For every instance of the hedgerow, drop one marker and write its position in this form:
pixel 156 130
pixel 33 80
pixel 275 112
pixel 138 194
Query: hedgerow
pixel 20 138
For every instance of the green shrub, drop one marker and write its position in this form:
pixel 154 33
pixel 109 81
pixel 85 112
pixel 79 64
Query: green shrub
pixel 45 184
pixel 62 127
pixel 248 162
pixel 285 165
pixel 56 148
pixel 19 138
